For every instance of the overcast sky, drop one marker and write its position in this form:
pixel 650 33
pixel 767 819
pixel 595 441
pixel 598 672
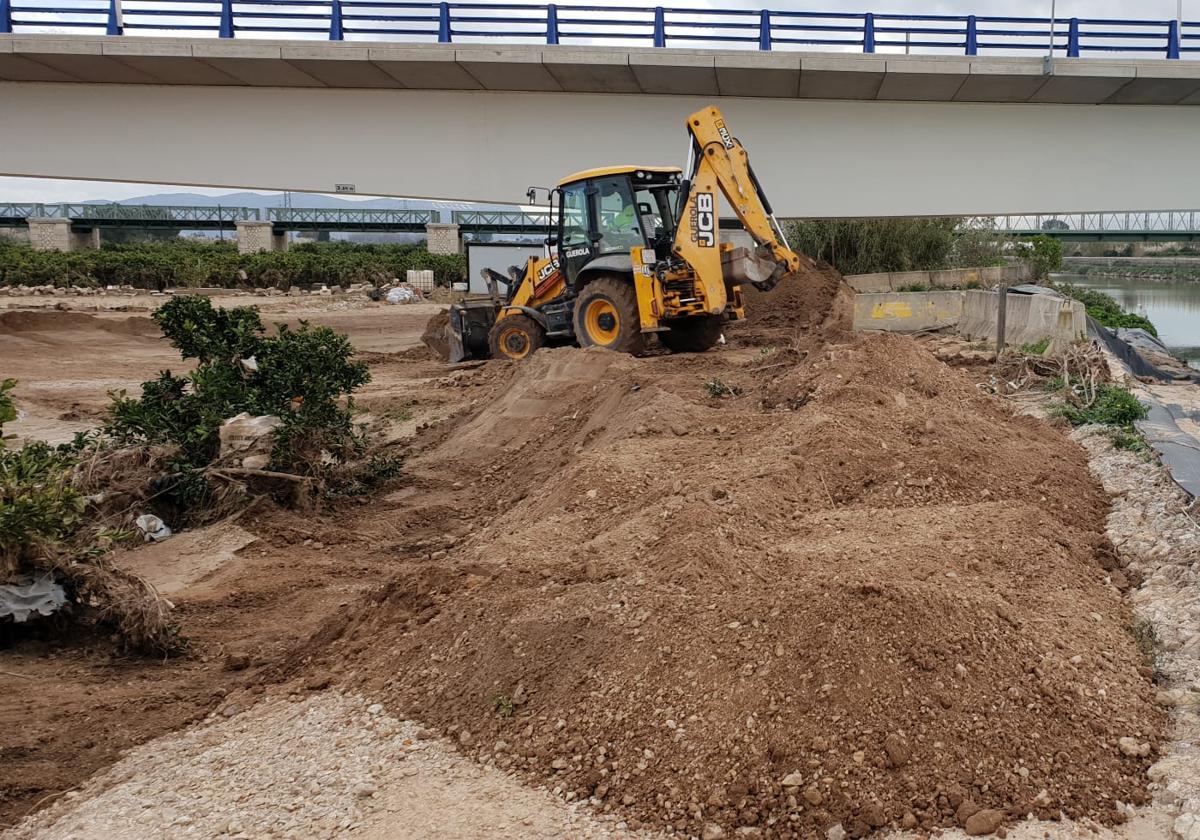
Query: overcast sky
pixel 55 191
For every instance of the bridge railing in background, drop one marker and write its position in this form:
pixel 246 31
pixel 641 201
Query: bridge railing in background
pixel 648 26
pixel 1154 221
pixel 325 217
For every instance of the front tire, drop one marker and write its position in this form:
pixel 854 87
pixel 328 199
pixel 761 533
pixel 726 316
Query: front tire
pixel 692 335
pixel 606 315
pixel 515 338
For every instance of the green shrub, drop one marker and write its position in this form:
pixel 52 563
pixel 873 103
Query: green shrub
pixel 8 411
pixel 868 246
pixel 304 376
pixel 188 264
pixel 1035 348
pixel 1043 254
pixel 1113 406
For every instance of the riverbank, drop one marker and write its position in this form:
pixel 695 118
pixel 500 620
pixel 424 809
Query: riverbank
pixel 1173 306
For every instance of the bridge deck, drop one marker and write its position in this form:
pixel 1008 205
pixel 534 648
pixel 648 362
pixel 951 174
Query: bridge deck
pixel 311 64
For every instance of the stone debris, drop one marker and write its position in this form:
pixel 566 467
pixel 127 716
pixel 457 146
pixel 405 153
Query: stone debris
pixel 329 766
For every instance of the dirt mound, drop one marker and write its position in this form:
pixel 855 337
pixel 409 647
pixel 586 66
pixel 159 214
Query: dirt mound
pixel 815 301
pixel 22 321
pixel 858 592
pixel 434 337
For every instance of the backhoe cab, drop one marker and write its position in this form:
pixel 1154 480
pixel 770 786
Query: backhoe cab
pixel 633 251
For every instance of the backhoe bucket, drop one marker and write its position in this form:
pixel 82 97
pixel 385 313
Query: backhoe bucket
pixel 754 266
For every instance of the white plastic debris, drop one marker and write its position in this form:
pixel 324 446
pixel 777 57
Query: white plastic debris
pixel 248 434
pixel 251 364
pixel 27 595
pixel 400 294
pixel 153 529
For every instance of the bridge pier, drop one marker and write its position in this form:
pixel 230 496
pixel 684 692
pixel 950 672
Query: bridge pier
pixel 56 235
pixel 442 239
pixel 254 236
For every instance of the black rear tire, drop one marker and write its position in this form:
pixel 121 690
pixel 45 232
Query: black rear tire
pixel 692 335
pixel 606 315
pixel 515 338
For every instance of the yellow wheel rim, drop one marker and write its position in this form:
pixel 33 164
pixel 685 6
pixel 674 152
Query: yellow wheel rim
pixel 602 321
pixel 514 342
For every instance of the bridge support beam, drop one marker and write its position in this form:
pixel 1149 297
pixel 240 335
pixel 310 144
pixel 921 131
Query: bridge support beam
pixel 254 236
pixel 442 239
pixel 56 235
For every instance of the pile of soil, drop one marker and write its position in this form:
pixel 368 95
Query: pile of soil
pixel 858 591
pixel 815 301
pixel 22 321
pixel 434 337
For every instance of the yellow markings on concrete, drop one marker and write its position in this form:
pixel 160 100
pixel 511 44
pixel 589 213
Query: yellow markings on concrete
pixel 891 309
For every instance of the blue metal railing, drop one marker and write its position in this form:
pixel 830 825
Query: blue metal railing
pixel 658 26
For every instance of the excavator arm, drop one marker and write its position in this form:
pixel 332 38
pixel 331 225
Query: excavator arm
pixel 719 163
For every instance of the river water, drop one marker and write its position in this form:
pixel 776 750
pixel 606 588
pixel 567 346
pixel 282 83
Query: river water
pixel 1173 306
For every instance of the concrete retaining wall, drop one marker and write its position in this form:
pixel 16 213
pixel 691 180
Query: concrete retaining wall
pixel 907 311
pixel 955 277
pixel 1030 318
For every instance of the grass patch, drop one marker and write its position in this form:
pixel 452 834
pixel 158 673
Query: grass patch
pixel 1113 406
pixel 718 389
pixel 1036 348
pixel 1128 440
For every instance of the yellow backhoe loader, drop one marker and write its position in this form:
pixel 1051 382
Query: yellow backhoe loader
pixel 633 251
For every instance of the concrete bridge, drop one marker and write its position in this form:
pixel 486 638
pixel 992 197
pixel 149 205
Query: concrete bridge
pixel 386 107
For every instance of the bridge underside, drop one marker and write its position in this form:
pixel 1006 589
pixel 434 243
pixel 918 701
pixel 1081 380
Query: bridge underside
pixel 816 158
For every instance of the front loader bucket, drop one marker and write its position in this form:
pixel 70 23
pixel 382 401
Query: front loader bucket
pixel 467 330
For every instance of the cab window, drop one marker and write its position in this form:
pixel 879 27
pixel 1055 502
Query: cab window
pixel 574 216
pixel 617 215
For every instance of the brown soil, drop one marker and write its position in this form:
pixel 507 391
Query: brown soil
pixel 859 576
pixel 434 336
pixel 858 592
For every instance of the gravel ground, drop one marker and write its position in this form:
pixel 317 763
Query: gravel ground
pixel 331 765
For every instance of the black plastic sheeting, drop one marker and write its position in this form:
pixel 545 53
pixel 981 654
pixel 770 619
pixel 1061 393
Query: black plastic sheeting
pixel 1127 352
pixel 1180 452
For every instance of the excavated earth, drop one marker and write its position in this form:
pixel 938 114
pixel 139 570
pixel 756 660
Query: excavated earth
pixel 818 579
pixel 806 579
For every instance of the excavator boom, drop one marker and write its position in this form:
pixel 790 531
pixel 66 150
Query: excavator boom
pixel 717 162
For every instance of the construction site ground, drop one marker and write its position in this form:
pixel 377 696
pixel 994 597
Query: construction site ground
pixel 807 580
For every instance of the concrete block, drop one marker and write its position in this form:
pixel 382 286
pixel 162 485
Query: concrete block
pixel 1028 318
pixel 923 80
pixel 507 69
pixel 431 68
pixel 870 283
pixel 907 311
pixel 758 74
pixel 841 77
pixel 674 72
pixel 590 71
